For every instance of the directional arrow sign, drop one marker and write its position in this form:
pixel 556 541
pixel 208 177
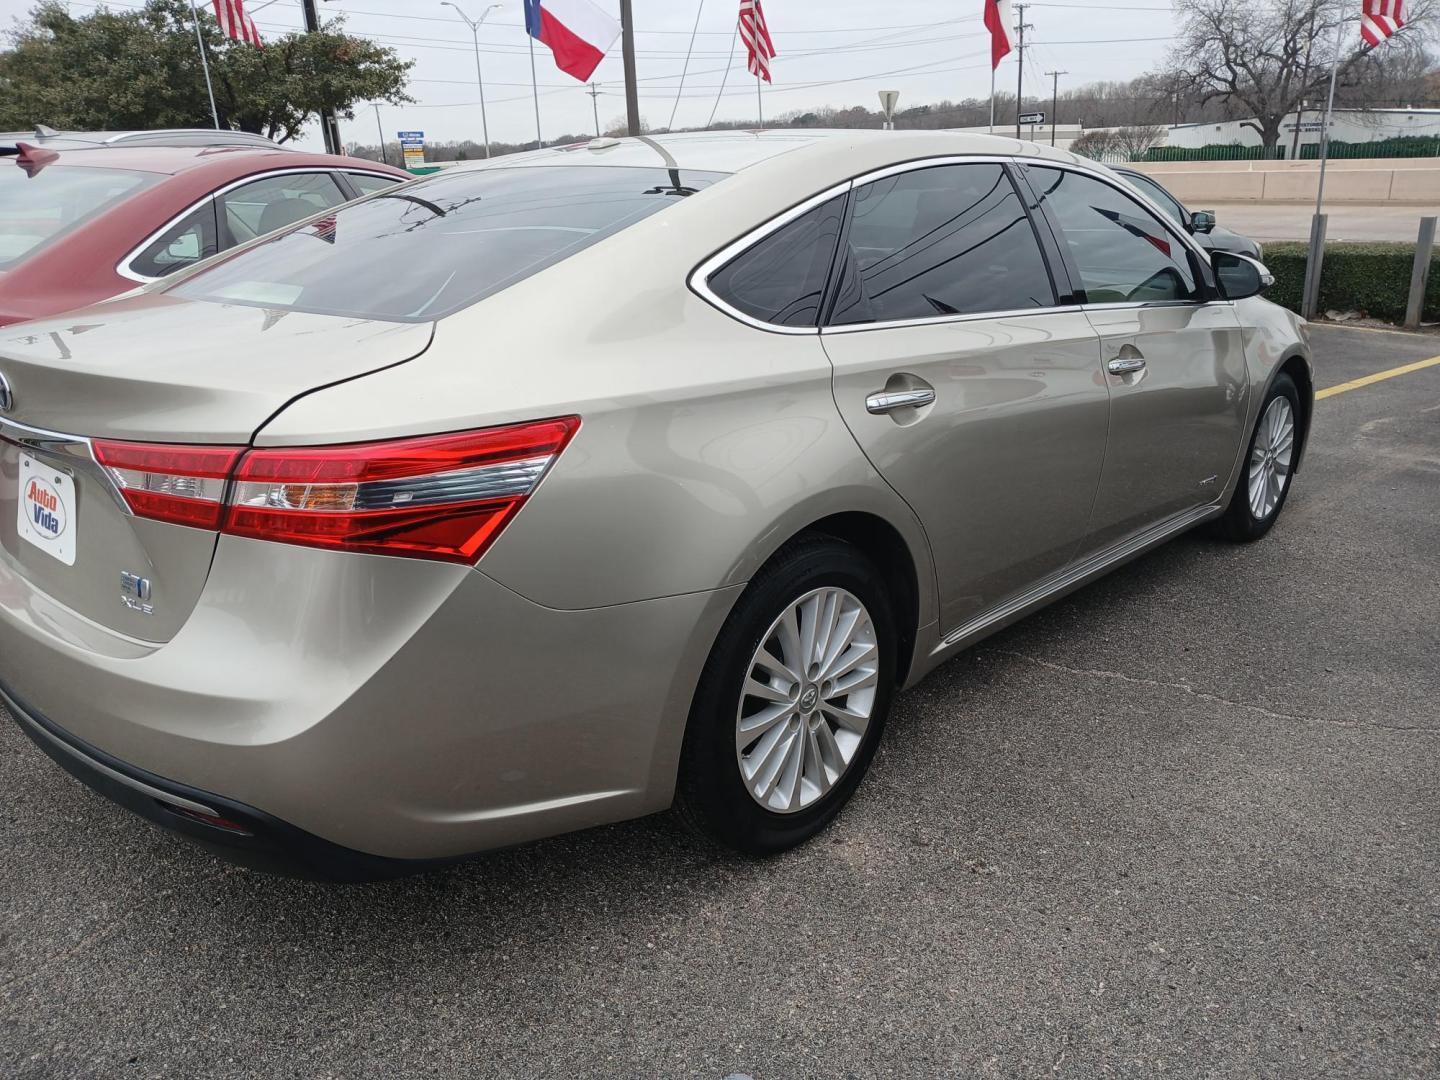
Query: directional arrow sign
pixel 1032 118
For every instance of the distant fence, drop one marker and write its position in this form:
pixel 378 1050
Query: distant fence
pixel 1408 147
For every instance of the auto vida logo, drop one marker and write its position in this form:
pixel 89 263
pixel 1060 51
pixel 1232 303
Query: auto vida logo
pixel 7 396
pixel 44 509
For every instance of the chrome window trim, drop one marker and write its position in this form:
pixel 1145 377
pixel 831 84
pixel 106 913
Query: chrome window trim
pixel 1138 305
pixel 124 269
pixel 75 450
pixel 944 320
pixel 699 280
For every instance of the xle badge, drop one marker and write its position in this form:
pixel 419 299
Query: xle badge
pixel 135 592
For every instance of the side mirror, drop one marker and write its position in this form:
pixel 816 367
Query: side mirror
pixel 1240 276
pixel 1202 221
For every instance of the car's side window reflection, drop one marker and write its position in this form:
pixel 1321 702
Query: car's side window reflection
pixel 944 240
pixel 1123 252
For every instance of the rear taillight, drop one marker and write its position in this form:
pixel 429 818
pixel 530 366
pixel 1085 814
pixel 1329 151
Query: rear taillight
pixel 438 497
pixel 184 485
pixel 441 497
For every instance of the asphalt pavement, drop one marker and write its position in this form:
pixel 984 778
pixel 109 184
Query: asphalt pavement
pixel 1185 823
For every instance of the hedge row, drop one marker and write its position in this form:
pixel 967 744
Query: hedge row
pixel 1402 146
pixel 1372 279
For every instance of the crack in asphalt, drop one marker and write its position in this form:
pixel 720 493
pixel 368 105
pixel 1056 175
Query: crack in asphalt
pixel 1202 695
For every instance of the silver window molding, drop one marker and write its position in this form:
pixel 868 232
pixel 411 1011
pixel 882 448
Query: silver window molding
pixel 945 320
pixel 699 277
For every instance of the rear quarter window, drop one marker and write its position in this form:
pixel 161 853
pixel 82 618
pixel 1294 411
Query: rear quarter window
pixel 427 249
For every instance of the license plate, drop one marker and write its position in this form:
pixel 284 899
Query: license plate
pixel 47 509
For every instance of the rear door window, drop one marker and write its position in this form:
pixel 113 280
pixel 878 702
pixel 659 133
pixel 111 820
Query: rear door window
pixel 945 240
pixel 1124 254
pixel 426 249
pixel 782 278
pixel 40 203
pixel 273 202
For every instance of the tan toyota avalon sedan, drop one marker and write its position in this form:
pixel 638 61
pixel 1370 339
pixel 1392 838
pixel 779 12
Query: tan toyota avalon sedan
pixel 559 490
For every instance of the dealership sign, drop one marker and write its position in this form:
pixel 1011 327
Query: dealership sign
pixel 412 146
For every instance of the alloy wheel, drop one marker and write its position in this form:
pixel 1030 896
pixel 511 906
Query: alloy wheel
pixel 807 700
pixel 1270 458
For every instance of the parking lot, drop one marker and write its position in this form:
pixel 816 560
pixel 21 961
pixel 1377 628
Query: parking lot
pixel 1186 822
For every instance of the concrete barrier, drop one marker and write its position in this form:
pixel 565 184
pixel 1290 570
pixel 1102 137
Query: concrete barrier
pixel 1350 181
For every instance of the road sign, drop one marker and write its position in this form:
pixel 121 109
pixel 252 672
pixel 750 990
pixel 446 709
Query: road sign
pixel 1032 118
pixel 888 100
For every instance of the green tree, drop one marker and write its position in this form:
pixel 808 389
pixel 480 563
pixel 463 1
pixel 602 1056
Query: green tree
pixel 141 69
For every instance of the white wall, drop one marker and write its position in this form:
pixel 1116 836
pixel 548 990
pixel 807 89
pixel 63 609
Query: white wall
pixel 1346 125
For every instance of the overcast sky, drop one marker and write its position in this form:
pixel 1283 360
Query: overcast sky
pixel 831 52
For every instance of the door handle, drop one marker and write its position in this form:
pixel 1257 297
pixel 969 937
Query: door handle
pixel 890 400
pixel 1126 365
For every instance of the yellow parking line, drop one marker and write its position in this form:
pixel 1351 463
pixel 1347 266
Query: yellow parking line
pixel 1379 376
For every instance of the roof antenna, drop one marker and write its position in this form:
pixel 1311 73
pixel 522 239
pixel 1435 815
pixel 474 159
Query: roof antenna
pixel 43 132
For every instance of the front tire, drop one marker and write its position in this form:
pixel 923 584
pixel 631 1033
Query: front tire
pixel 1268 468
pixel 790 706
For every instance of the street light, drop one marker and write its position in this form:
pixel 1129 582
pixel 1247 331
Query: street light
pixel 475 25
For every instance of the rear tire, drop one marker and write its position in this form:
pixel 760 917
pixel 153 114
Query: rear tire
pixel 770 757
pixel 1268 468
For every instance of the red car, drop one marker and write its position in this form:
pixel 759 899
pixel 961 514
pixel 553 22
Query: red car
pixel 81 221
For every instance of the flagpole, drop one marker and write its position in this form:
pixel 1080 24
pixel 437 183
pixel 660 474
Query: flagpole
pixel 759 100
pixel 534 89
pixel 992 99
pixel 205 65
pixel 1329 108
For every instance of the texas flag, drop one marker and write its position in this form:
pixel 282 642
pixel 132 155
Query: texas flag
pixel 1001 24
pixel 578 33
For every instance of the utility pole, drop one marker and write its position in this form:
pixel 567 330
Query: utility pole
pixel 632 94
pixel 379 127
pixel 594 93
pixel 1055 103
pixel 328 125
pixel 1020 73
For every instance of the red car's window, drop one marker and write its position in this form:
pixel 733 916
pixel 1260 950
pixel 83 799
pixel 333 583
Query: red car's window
pixel 38 205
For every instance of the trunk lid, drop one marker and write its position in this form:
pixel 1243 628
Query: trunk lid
pixel 149 369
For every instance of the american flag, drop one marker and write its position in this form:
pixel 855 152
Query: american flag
pixel 1381 19
pixel 757 38
pixel 238 26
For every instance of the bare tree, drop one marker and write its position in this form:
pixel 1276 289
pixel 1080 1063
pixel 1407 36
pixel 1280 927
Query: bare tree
pixel 1096 145
pixel 1135 140
pixel 1265 58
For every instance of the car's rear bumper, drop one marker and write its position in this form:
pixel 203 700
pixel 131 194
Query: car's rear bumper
pixel 378 707
pixel 239 833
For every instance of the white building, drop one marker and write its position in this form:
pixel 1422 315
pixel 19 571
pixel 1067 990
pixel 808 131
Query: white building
pixel 1346 125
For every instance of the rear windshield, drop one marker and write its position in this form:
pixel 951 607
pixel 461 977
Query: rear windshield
pixel 426 249
pixel 38 204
